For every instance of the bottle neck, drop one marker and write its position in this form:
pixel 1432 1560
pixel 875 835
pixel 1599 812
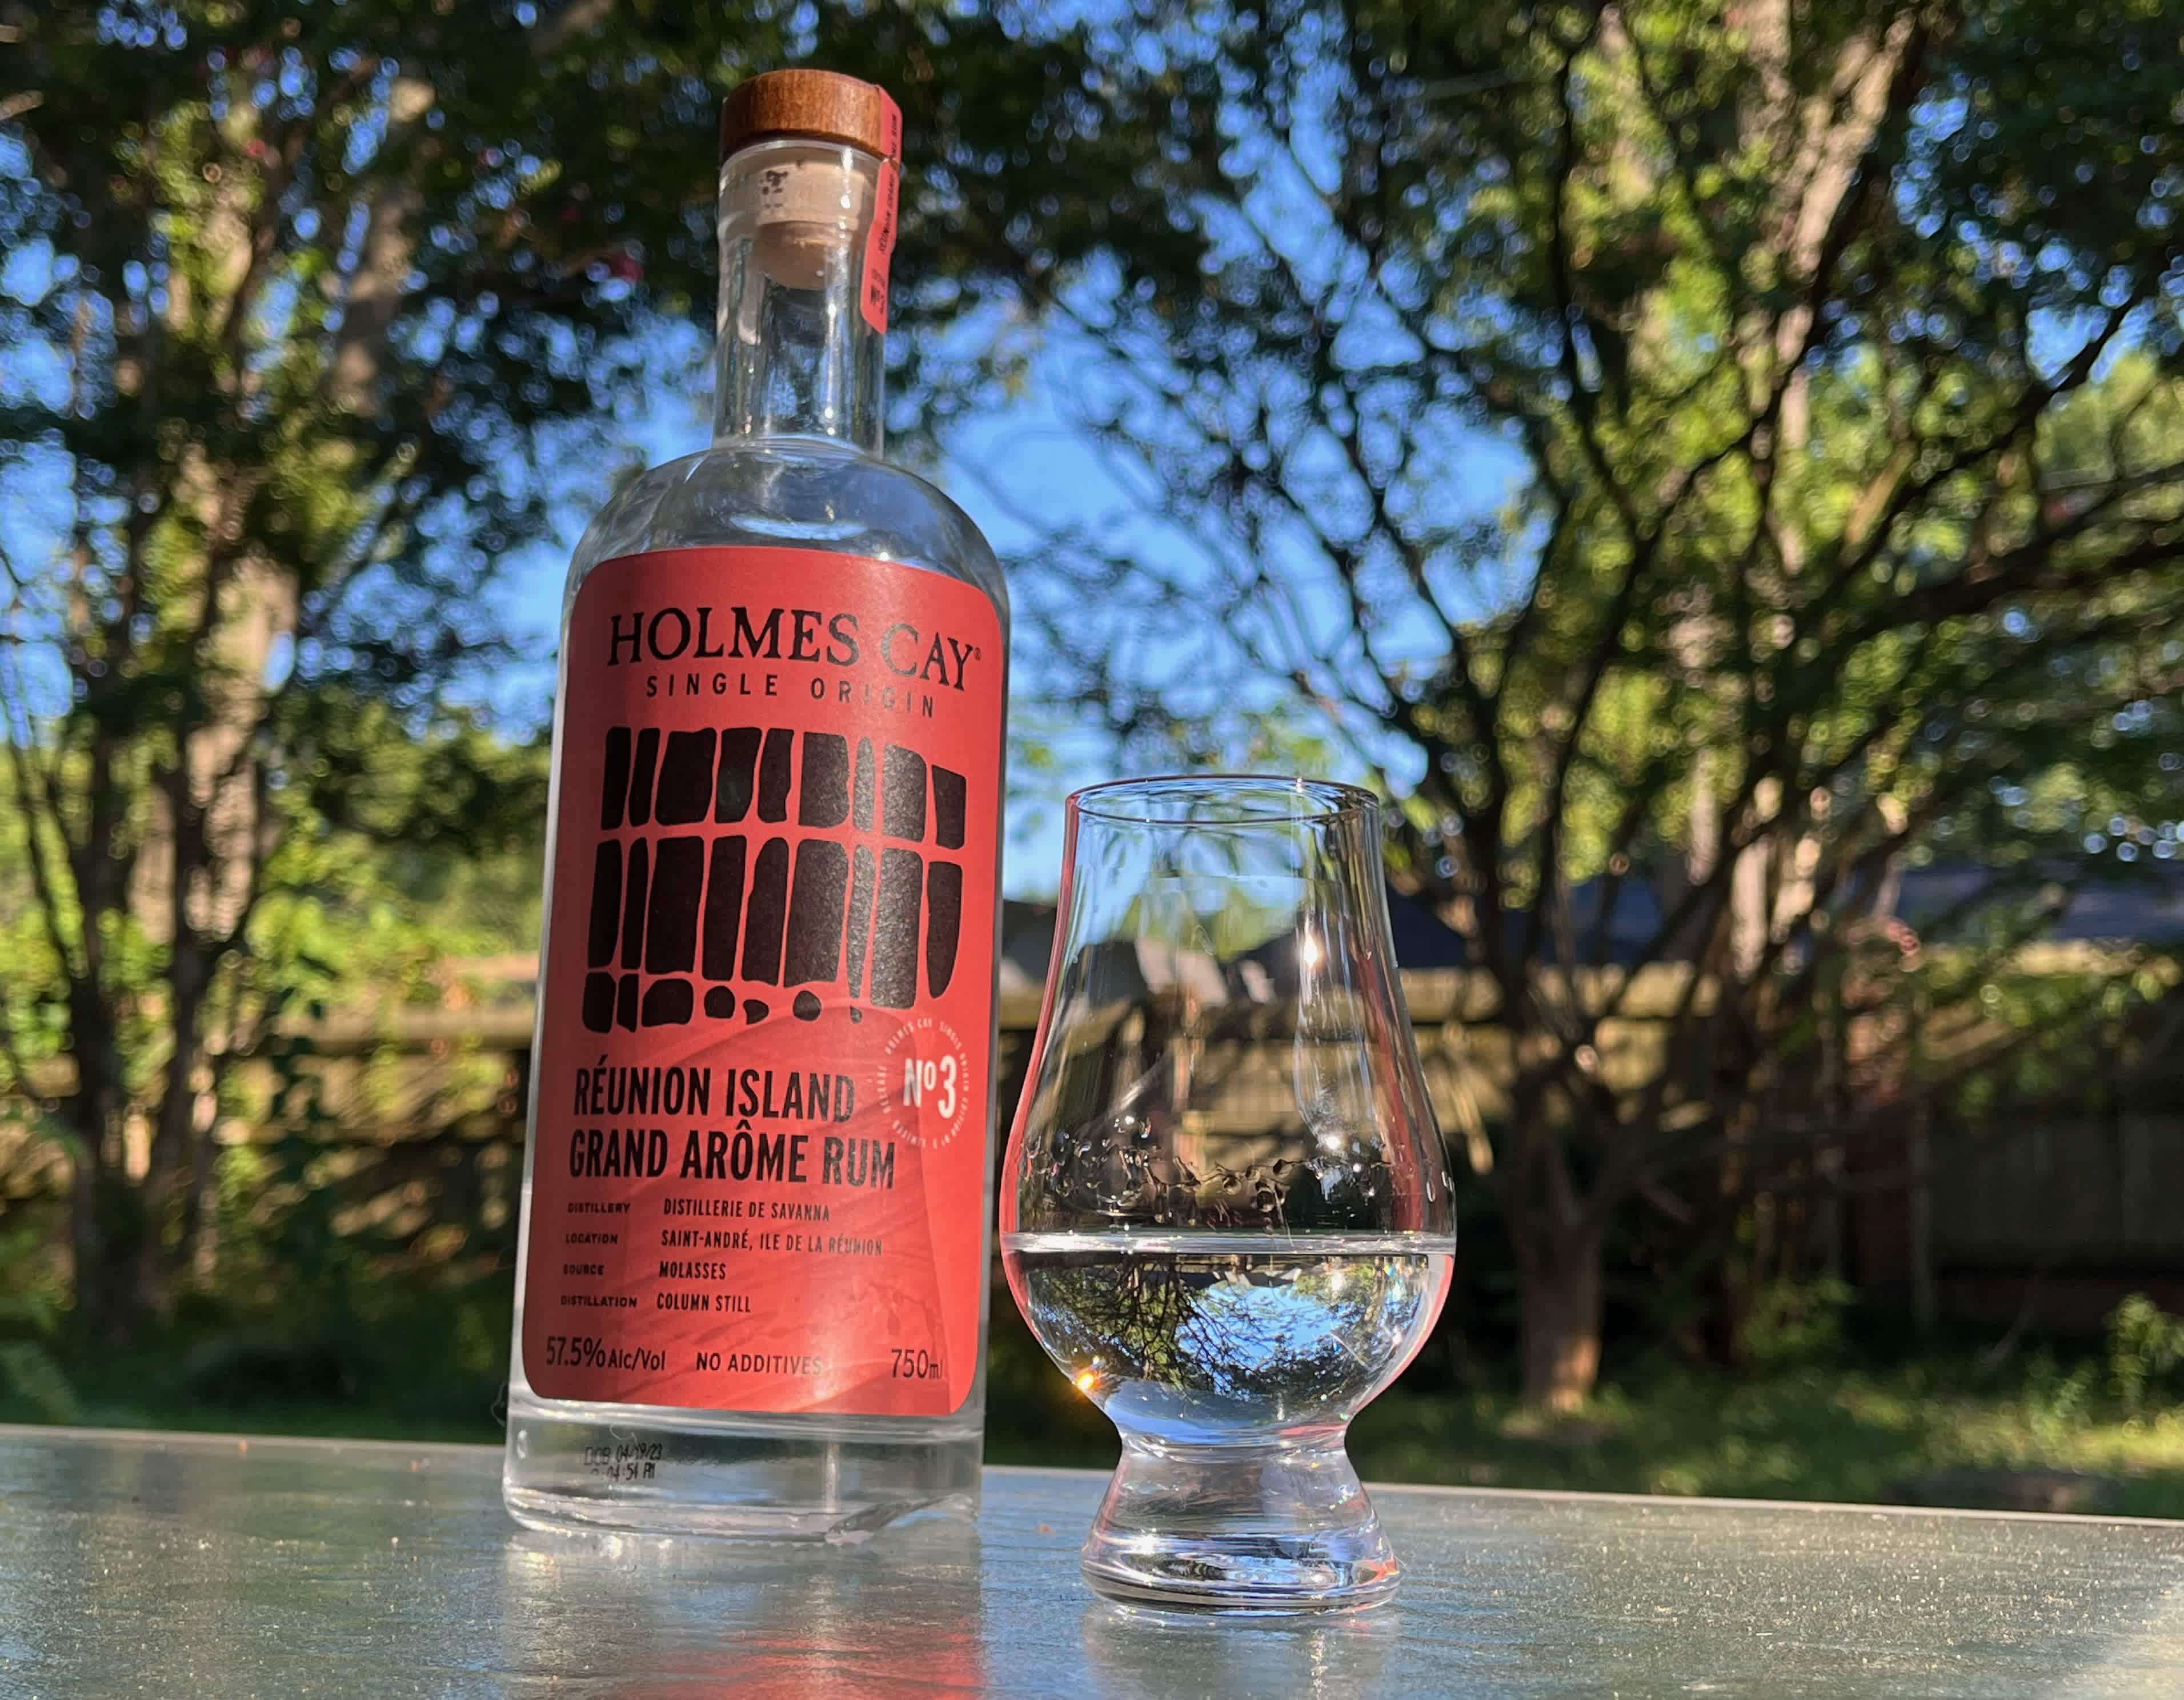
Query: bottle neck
pixel 797 356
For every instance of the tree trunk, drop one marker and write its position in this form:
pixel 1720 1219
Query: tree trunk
pixel 106 1228
pixel 1559 1289
pixel 88 1213
pixel 104 1217
pixel 1926 1304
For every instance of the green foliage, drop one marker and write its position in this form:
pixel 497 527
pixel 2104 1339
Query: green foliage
pixel 1824 366
pixel 2057 1402
pixel 425 1362
pixel 1795 1322
pixel 30 1309
pixel 463 791
pixel 2145 1345
pixel 311 315
pixel 1839 421
pixel 29 1369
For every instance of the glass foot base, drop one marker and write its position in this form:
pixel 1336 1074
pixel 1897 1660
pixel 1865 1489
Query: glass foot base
pixel 1274 1531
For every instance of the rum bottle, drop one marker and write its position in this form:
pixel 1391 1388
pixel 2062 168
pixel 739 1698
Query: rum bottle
pixel 753 1256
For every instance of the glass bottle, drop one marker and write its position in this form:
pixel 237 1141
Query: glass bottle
pixel 753 1258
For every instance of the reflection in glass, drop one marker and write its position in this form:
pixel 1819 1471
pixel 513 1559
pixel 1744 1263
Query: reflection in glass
pixel 1137 1652
pixel 1224 1210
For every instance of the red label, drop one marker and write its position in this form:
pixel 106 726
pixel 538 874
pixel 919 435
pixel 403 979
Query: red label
pixel 879 239
pixel 766 1067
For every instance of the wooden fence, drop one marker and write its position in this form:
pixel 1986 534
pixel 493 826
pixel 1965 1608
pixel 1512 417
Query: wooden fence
pixel 412 1124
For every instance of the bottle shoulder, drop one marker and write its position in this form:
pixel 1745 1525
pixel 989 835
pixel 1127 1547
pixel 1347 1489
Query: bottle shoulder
pixel 794 494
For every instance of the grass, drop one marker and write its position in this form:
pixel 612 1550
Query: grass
pixel 1857 1428
pixel 1857 1435
pixel 429 1365
pixel 1851 1426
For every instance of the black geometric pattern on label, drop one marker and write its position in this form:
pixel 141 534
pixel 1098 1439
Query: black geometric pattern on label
pixel 948 799
pixel 943 923
pixel 606 902
pixel 895 929
pixel 879 922
pixel 822 798
pixel 769 908
pixel 865 785
pixel 632 908
pixel 724 906
pixel 640 776
pixel 668 1003
pixel 814 913
pixel 773 775
pixel 860 917
pixel 685 791
pixel 738 766
pixel 902 794
pixel 671 935
pixel 614 791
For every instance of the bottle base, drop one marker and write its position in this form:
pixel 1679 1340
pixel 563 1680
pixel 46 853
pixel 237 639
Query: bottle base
pixel 558 1514
pixel 799 1478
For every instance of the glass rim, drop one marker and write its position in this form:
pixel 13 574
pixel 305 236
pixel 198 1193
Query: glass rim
pixel 1136 801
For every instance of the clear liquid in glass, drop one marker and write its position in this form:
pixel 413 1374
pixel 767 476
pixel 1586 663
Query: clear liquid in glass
pixel 1214 1338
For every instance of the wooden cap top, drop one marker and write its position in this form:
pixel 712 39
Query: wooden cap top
pixel 825 106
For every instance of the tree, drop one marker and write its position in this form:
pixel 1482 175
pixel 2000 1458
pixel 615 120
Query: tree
pixel 1835 352
pixel 308 311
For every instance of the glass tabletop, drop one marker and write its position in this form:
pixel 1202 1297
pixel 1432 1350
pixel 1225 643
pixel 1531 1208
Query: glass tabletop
pixel 171 1564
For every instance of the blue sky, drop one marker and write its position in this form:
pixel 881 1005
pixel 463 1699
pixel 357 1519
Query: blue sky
pixel 1029 449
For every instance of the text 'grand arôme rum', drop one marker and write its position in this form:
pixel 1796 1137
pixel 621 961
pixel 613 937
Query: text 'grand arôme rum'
pixel 754 1254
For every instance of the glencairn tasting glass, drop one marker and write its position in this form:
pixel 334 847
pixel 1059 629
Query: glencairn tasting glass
pixel 1224 1210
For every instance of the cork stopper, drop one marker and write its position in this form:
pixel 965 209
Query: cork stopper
pixel 819 106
